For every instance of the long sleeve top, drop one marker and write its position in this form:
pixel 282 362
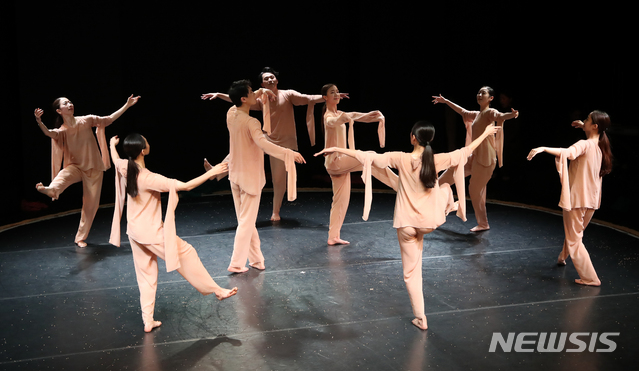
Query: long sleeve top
pixel 246 154
pixel 144 212
pixel 491 149
pixel 580 182
pixel 415 205
pixel 77 146
pixel 281 129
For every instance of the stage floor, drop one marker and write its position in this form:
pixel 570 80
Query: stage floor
pixel 318 307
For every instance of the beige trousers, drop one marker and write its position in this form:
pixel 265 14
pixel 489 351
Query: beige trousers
pixel 575 222
pixel 247 242
pixel 91 188
pixel 411 244
pixel 146 271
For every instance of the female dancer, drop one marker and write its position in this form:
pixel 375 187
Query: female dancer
pixel 422 203
pixel 148 235
pixel 73 141
pixel 339 166
pixel 590 159
pixel 485 157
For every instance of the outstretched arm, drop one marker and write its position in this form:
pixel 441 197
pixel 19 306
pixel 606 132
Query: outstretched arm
pixel 329 150
pixel 552 150
pixel 129 102
pixel 372 116
pixel 196 182
pixel 114 152
pixel 513 114
pixel 50 133
pixel 441 99
pixel 211 96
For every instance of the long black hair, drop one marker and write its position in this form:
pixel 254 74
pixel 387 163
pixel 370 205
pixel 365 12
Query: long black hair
pixel 133 146
pixel 56 106
pixel 602 120
pixel 424 133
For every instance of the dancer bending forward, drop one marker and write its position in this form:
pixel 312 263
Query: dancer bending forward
pixel 148 235
pixel 590 159
pixel 422 203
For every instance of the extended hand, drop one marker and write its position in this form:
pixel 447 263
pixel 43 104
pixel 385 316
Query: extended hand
pixel 114 140
pixel 38 114
pixel 438 99
pixel 298 158
pixel 132 100
pixel 578 124
pixel 534 152
pixel 210 96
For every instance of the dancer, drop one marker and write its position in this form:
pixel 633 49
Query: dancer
pixel 339 166
pixel 73 141
pixel 246 173
pixel 485 157
pixel 590 159
pixel 148 235
pixel 422 203
pixel 282 125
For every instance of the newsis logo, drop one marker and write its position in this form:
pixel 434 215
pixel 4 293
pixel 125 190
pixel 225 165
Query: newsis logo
pixel 553 342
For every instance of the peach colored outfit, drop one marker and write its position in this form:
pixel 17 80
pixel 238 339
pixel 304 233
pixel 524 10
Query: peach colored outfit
pixel 151 238
pixel 484 159
pixel 77 149
pixel 419 210
pixel 580 197
pixel 246 174
pixel 340 166
pixel 280 129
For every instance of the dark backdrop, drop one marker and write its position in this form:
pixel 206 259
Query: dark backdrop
pixel 559 64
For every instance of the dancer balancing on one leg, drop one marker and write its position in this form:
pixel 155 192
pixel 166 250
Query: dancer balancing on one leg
pixel 73 142
pixel 280 125
pixel 149 236
pixel 485 157
pixel 590 159
pixel 340 166
pixel 247 145
pixel 422 203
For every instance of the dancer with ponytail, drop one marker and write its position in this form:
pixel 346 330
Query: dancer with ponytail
pixel 590 159
pixel 485 158
pixel 422 203
pixel 149 236
pixel 339 166
pixel 73 142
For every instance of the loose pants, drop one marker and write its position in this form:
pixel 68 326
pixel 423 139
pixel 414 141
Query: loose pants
pixel 575 222
pixel 411 244
pixel 247 241
pixel 91 188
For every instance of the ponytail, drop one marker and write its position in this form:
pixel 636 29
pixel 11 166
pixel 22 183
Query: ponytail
pixel 424 133
pixel 58 120
pixel 133 146
pixel 602 120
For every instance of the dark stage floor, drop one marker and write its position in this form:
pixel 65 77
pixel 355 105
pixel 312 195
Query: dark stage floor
pixel 318 307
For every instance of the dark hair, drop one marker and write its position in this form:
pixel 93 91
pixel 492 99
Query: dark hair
pixel 602 120
pixel 133 146
pixel 56 106
pixel 491 91
pixel 424 133
pixel 238 90
pixel 324 91
pixel 267 70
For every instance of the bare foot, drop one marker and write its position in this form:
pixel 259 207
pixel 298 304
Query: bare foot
pixel 582 282
pixel 421 324
pixel 151 325
pixel 479 229
pixel 561 263
pixel 81 244
pixel 258 266
pixel 45 190
pixel 237 270
pixel 225 293
pixel 337 241
pixel 275 217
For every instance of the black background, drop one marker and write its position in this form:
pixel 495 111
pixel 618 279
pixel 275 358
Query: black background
pixel 560 63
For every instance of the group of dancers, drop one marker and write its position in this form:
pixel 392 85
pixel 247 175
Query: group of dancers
pixel 424 197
